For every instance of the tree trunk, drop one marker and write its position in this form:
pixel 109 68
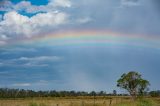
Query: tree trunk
pixel 133 95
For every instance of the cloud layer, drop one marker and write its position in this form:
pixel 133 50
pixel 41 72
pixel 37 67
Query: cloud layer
pixel 25 20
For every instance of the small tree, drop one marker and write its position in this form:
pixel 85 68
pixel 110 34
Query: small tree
pixel 133 83
pixel 114 92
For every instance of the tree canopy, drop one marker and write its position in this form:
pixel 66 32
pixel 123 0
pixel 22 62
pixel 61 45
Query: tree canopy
pixel 133 83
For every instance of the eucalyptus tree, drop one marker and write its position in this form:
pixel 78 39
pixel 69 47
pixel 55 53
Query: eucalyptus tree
pixel 133 83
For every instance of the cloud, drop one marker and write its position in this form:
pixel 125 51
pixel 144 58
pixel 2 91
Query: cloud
pixel 41 82
pixel 5 5
pixel 121 16
pixel 84 20
pixel 130 2
pixel 16 25
pixel 4 37
pixel 39 61
pixel 21 84
pixel 33 64
pixel 16 50
pixel 27 7
pixel 61 3
pixel 40 58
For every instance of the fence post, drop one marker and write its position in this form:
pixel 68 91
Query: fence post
pixel 121 99
pixel 110 103
pixel 104 103
pixel 94 100
pixel 82 103
pixel 116 100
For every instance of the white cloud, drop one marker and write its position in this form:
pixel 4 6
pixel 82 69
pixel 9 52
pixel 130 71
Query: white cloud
pixel 4 37
pixel 16 50
pixel 84 20
pixel 40 58
pixel 49 19
pixel 29 8
pixel 129 3
pixel 22 84
pixel 12 24
pixel 61 3
pixel 5 5
pixel 41 82
pixel 16 25
pixel 39 61
pixel 34 64
pixel 22 5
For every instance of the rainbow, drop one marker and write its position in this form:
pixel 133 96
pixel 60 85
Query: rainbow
pixel 92 37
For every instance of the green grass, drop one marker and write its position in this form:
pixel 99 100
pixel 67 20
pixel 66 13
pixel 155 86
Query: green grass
pixel 146 102
pixel 139 102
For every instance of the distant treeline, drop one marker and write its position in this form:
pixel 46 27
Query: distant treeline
pixel 21 93
pixel 155 93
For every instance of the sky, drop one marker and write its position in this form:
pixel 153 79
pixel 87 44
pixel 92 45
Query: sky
pixel 78 44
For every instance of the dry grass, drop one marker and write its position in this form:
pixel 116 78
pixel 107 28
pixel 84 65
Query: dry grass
pixel 70 102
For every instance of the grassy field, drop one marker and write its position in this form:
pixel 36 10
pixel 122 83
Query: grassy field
pixel 115 101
